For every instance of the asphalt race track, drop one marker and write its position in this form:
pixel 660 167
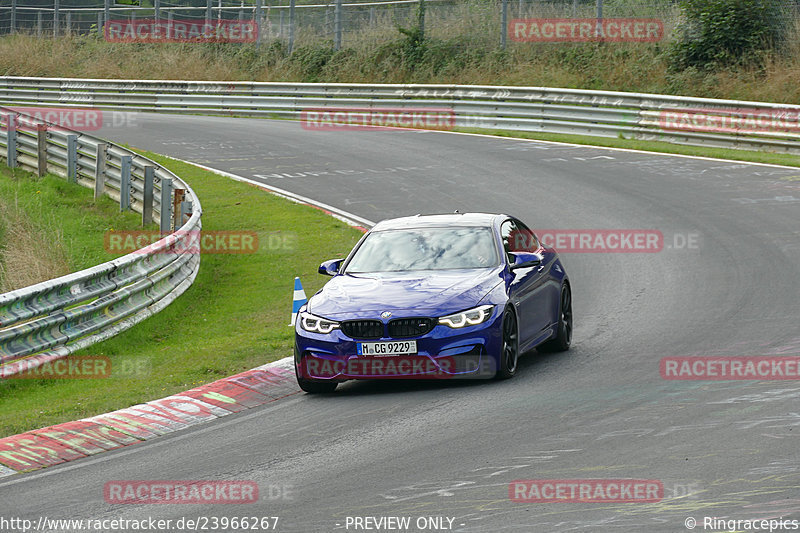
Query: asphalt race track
pixel 726 283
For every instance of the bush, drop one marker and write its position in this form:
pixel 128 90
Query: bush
pixel 312 60
pixel 717 33
pixel 413 47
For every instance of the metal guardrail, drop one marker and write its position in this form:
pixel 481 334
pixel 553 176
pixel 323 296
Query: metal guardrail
pixel 676 119
pixel 52 319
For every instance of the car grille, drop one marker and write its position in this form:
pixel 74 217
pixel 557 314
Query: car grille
pixel 410 327
pixel 363 329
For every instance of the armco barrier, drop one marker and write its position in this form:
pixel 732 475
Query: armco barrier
pixel 54 318
pixel 677 119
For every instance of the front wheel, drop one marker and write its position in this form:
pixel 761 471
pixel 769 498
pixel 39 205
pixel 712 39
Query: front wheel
pixel 316 387
pixel 563 338
pixel 313 386
pixel 510 353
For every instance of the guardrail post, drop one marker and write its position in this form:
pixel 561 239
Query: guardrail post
pixel 166 204
pixel 106 12
pixel 186 210
pixel 72 158
pixel 504 24
pixel 11 140
pixel 147 204
pixel 421 18
pixel 41 149
pixel 258 23
pixel 598 30
pixel 337 24
pixel 125 183
pixel 177 199
pixel 291 25
pixel 55 18
pixel 100 170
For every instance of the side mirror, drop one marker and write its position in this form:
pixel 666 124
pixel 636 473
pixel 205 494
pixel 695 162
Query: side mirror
pixel 331 267
pixel 524 260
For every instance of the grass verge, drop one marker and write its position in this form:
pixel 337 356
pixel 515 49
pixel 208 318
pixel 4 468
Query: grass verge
pixel 233 318
pixel 51 227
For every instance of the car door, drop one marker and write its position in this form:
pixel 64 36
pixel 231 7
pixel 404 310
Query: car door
pixel 528 288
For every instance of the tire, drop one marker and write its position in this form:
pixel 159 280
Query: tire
pixel 509 355
pixel 314 387
pixel 563 338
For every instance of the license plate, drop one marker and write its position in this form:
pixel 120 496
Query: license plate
pixel 379 349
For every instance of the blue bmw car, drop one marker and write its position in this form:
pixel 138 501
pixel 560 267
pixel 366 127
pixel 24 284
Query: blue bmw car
pixel 434 296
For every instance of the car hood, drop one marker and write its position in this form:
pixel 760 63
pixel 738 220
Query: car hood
pixel 425 293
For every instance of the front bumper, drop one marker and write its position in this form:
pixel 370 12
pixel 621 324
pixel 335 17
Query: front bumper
pixel 443 353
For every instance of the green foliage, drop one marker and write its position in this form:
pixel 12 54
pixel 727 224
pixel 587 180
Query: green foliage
pixel 717 33
pixel 312 59
pixel 252 60
pixel 413 46
pixel 449 56
pixel 580 56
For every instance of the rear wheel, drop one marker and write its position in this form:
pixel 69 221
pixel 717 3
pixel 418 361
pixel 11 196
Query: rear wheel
pixel 509 356
pixel 563 339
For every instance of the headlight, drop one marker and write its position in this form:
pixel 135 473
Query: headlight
pixel 473 317
pixel 317 324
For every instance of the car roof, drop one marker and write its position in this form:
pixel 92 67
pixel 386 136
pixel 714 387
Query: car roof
pixel 429 221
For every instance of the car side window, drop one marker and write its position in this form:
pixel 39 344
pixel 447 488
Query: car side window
pixel 507 232
pixel 517 237
pixel 526 240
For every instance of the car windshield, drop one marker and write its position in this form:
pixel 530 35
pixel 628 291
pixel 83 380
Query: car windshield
pixel 425 249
